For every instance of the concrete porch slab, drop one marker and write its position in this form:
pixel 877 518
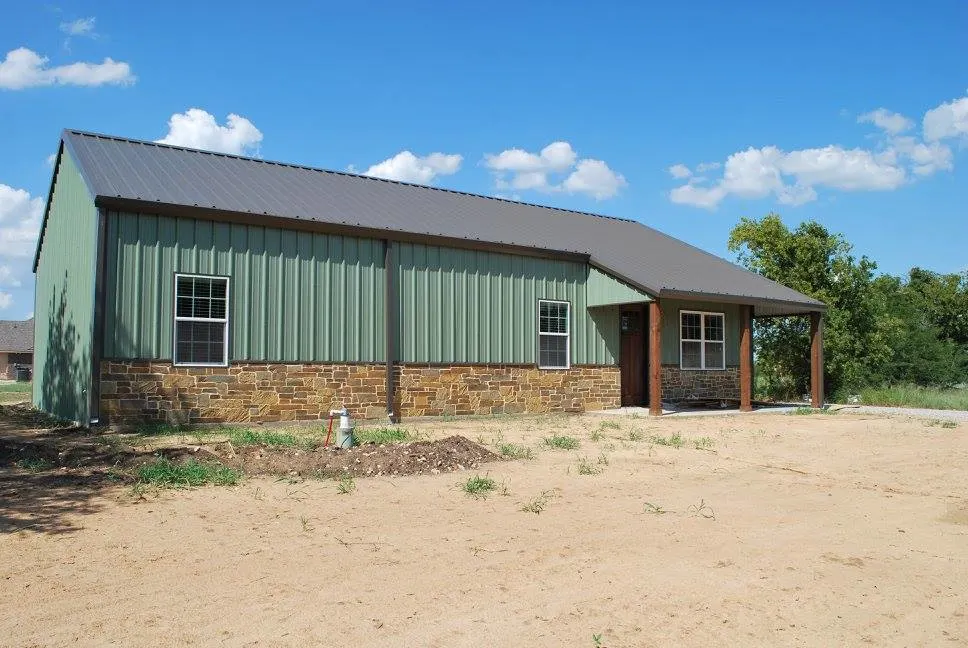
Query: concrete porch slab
pixel 669 410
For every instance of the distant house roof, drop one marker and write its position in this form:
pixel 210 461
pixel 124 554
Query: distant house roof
pixel 17 336
pixel 123 173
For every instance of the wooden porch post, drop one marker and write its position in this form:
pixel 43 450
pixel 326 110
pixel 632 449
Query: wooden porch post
pixel 655 358
pixel 746 359
pixel 816 360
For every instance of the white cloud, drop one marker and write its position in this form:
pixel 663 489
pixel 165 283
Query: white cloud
pixel 679 171
pixel 947 120
pixel 5 300
pixel 702 167
pixel 407 167
pixel 24 68
pixel 20 216
pixel 8 277
pixel 198 129
pixel 793 177
pixel 79 27
pixel 51 160
pixel 521 170
pixel 890 122
pixel 594 178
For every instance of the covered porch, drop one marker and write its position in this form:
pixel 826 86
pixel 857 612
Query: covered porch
pixel 681 349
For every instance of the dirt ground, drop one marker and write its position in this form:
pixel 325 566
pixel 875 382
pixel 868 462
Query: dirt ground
pixel 759 530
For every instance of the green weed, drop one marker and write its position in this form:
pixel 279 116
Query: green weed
pixel 586 467
pixel 346 485
pixel 33 464
pixel 703 443
pixel 941 423
pixel 702 510
pixel 246 437
pixel 167 474
pixel 562 442
pixel 514 451
pixel 910 396
pixel 654 509
pixel 537 504
pixel 479 487
pixel 673 441
pixel 381 435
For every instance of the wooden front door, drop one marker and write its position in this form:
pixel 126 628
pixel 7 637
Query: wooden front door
pixel 632 357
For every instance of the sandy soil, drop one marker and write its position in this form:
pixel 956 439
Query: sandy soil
pixel 789 530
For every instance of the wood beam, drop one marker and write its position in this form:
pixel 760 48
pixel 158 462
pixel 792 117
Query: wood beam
pixel 655 358
pixel 816 360
pixel 746 359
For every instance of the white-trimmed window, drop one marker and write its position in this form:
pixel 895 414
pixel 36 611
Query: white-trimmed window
pixel 201 320
pixel 702 340
pixel 554 331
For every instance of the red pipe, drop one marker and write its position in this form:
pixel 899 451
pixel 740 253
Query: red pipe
pixel 330 431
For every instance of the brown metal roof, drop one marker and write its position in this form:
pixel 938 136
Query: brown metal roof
pixel 118 170
pixel 17 336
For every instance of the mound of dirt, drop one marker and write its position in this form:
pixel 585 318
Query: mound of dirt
pixel 420 457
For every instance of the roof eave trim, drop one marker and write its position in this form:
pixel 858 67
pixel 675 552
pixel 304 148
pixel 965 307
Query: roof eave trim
pixel 751 300
pixel 120 203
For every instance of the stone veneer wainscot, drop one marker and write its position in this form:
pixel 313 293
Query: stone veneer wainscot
pixel 682 384
pixel 137 391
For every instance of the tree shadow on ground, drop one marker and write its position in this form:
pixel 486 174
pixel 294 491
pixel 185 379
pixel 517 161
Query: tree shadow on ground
pixel 51 474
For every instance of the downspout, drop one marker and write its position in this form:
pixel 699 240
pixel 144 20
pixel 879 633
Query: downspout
pixel 97 344
pixel 390 319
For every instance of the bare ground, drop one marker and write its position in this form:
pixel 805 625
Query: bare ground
pixel 783 530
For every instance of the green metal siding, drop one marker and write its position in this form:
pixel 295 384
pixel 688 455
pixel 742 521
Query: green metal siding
pixel 468 306
pixel 295 296
pixel 604 289
pixel 671 330
pixel 64 299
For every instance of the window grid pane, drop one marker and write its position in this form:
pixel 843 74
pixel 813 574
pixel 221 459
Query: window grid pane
pixel 201 298
pixel 553 334
pixel 692 355
pixel 702 340
pixel 714 355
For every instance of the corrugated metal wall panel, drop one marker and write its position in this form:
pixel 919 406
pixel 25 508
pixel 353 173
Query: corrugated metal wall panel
pixel 469 306
pixel 64 299
pixel 604 289
pixel 671 331
pixel 296 296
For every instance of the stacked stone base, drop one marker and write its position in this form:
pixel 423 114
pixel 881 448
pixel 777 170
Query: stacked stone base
pixel 142 391
pixel 683 385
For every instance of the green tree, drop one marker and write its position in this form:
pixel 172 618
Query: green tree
pixel 810 259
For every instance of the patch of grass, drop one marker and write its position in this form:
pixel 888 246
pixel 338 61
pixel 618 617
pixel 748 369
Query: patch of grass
pixel 307 527
pixel 910 396
pixel 807 411
pixel 15 388
pixel 514 451
pixel 538 503
pixel 635 435
pixel 596 436
pixel 167 474
pixel 654 509
pixel 346 485
pixel 479 487
pixel 609 425
pixel 246 437
pixel 380 435
pixel 586 467
pixel 945 423
pixel 33 464
pixel 561 442
pixel 673 441
pixel 703 443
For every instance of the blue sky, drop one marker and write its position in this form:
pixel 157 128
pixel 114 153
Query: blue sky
pixel 686 116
